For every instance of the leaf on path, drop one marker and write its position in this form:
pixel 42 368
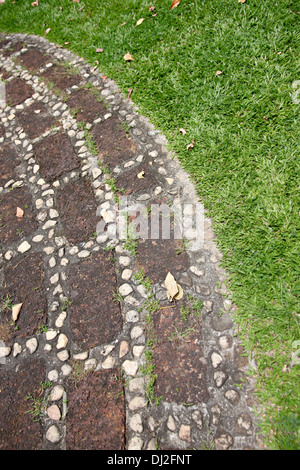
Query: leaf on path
pixel 174 290
pixel 20 212
pixel 141 175
pixel 139 21
pixel 190 146
pixel 15 311
pixel 175 4
pixel 128 57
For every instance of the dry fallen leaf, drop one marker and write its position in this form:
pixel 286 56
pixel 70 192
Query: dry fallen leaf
pixel 141 175
pixel 174 290
pixel 35 4
pixel 99 49
pixel 123 23
pixel 15 311
pixel 128 57
pixel 47 30
pixel 218 72
pixel 151 8
pixel 183 131
pixel 175 3
pixel 190 146
pixel 20 212
pixel 139 21
pixel 129 92
pixel 242 1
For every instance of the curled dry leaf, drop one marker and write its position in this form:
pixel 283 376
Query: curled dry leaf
pixel 128 57
pixel 15 311
pixel 183 131
pixel 139 21
pixel 129 92
pixel 175 4
pixel 190 146
pixel 20 212
pixel 242 1
pixel 35 4
pixel 99 49
pixel 174 290
pixel 218 72
pixel 141 175
pixel 47 31
pixel 151 8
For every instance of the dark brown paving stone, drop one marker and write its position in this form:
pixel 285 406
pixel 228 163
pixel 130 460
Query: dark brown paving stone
pixel 178 356
pixel 35 120
pixel 96 413
pixel 33 60
pixel 4 43
pixel 129 183
pixel 24 283
pixel 86 105
pixel 13 228
pixel 56 156
pixel 114 145
pixel 61 77
pixel 4 75
pixel 158 257
pixel 18 430
pixel 95 318
pixel 14 48
pixel 77 207
pixel 17 91
pixel 9 160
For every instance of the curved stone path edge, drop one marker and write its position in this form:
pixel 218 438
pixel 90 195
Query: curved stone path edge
pixel 95 355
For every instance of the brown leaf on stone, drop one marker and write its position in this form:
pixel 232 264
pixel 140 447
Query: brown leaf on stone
pixel 174 290
pixel 15 311
pixel 20 212
pixel 141 174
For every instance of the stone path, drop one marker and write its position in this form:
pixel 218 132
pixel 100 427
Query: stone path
pixel 97 357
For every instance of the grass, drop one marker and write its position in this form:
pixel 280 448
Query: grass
pixel 245 160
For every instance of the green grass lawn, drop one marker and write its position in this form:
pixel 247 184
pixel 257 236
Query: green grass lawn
pixel 245 160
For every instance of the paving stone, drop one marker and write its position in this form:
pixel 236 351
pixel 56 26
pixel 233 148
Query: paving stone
pixel 35 120
pixel 77 207
pixel 17 91
pixel 86 105
pixel 96 413
pixel 114 145
pixel 18 430
pixel 95 317
pixel 56 156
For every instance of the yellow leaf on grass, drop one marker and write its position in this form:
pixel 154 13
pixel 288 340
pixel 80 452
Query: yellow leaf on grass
pixel 20 212
pixel 174 290
pixel 139 21
pixel 15 311
pixel 242 1
pixel 175 3
pixel 128 57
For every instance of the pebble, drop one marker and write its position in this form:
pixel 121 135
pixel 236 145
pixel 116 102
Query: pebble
pixel 52 434
pixel 54 412
pixel 32 345
pixel 25 246
pixel 62 341
pixel 130 367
